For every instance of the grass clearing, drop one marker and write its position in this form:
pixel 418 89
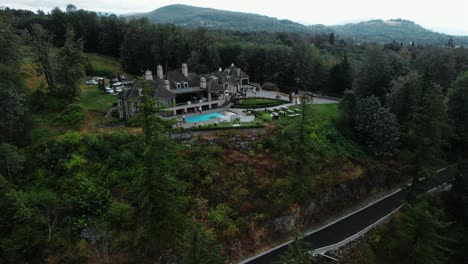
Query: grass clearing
pixel 92 99
pixel 103 65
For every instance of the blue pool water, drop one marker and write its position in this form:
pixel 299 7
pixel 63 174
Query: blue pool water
pixel 203 117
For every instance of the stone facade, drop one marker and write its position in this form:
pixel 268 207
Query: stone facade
pixel 184 92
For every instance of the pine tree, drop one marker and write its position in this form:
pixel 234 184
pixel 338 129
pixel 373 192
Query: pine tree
pixel 160 192
pixel 41 42
pixel 458 113
pixel 298 251
pixel 70 66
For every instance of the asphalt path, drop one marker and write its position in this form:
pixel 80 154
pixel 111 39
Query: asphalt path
pixel 342 229
pixel 353 223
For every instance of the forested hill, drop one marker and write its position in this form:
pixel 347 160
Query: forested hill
pixel 191 16
pixel 396 29
pixel 370 31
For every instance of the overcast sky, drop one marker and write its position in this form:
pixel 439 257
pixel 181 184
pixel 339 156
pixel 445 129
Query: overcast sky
pixel 448 16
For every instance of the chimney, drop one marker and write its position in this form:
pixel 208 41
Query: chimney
pixel 148 75
pixel 185 70
pixel 203 83
pixel 220 69
pixel 167 85
pixel 238 72
pixel 160 72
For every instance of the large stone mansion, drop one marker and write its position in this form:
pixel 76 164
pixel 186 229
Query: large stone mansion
pixel 185 92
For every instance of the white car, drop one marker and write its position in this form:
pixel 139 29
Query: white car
pixel 91 82
pixel 97 78
pixel 118 89
pixel 109 90
pixel 116 84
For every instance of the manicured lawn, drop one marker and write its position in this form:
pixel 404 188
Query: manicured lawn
pixel 322 111
pixel 104 65
pixel 257 101
pixel 94 100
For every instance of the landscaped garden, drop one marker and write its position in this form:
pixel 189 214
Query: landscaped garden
pixel 258 103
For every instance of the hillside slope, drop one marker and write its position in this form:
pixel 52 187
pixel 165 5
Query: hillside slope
pixel 396 29
pixel 191 16
pixel 370 31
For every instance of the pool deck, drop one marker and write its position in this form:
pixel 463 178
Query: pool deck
pixel 239 111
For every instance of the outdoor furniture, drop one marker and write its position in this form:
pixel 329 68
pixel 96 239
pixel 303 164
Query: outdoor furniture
pixel 247 119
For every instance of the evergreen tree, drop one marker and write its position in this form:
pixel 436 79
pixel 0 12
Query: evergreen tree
pixel 160 192
pixel 420 235
pixel 340 78
pixel 137 50
pixel 298 252
pixel 13 101
pixel 458 113
pixel 376 127
pixel 41 42
pixel 70 66
pixel 198 246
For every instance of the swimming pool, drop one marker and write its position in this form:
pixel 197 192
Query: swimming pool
pixel 203 117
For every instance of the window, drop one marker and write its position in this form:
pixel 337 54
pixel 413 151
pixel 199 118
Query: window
pixel 226 85
pixel 119 103
pixel 178 85
pixel 121 114
pixel 140 92
pixel 185 84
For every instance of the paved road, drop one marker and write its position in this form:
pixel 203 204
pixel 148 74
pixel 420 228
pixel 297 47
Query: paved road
pixel 344 228
pixel 354 223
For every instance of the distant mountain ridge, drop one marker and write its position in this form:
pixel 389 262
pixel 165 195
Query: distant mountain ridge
pixel 380 31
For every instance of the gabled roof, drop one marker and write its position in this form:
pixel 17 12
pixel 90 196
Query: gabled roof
pixel 157 90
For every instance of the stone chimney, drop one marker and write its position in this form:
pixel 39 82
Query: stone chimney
pixel 148 75
pixel 160 72
pixel 167 85
pixel 203 83
pixel 185 70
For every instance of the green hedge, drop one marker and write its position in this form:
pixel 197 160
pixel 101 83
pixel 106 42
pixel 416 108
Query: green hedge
pixel 254 103
pixel 208 128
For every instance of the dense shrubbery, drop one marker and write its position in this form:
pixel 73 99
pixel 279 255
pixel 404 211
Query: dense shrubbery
pixel 73 115
pixel 258 103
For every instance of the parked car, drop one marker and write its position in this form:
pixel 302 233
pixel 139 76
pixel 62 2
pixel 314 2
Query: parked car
pixel 116 84
pixel 109 90
pixel 118 89
pixel 97 78
pixel 91 82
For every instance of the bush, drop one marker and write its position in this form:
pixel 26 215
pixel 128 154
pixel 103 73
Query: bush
pixel 268 86
pixel 258 103
pixel 73 115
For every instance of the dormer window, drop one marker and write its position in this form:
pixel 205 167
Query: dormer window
pixel 185 84
pixel 178 85
pixel 226 85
